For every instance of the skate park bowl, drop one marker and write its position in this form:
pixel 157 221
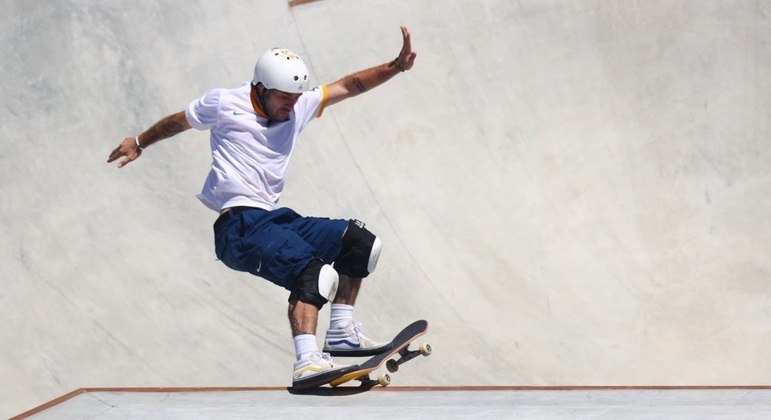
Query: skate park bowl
pixel 574 194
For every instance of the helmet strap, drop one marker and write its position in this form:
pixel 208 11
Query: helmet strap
pixel 259 92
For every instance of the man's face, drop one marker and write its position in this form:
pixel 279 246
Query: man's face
pixel 280 103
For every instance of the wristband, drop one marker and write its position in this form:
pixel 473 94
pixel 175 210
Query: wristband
pixel 398 66
pixel 139 146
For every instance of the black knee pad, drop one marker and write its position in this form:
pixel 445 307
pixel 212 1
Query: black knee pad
pixel 360 251
pixel 316 285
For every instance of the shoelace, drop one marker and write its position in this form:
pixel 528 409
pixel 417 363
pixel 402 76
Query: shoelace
pixel 325 357
pixel 357 329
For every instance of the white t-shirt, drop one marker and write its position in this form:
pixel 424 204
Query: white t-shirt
pixel 250 156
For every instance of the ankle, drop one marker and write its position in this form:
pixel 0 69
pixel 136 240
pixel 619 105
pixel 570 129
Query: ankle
pixel 305 345
pixel 341 315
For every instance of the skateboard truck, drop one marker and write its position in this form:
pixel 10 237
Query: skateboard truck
pixel 405 355
pixel 366 381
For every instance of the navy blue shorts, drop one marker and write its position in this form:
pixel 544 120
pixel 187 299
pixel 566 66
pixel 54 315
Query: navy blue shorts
pixel 276 245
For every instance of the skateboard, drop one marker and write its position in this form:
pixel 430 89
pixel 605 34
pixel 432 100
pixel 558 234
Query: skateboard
pixel 399 347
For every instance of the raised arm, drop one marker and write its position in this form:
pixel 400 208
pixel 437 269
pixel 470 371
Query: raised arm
pixel 131 147
pixel 362 81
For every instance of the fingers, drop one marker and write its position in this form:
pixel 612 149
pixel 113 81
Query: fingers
pixel 406 56
pixel 130 157
pixel 114 155
pixel 125 162
pixel 406 39
pixel 126 150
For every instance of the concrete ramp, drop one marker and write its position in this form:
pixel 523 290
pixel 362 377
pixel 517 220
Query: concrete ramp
pixel 410 403
pixel 572 193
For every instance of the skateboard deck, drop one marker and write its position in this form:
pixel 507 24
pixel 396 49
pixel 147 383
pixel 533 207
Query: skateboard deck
pixel 399 347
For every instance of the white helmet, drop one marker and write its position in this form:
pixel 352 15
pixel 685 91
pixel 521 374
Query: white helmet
pixel 282 69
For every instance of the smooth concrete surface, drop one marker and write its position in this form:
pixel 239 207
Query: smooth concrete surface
pixel 417 404
pixel 571 192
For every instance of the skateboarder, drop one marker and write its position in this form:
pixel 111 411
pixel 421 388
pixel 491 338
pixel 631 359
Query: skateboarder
pixel 254 129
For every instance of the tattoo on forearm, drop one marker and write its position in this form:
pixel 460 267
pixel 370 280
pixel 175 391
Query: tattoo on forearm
pixel 172 128
pixel 164 128
pixel 359 84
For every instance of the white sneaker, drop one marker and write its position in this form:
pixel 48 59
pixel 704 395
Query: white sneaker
pixel 315 364
pixel 351 341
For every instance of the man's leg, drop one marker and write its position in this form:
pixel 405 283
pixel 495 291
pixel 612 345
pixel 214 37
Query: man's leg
pixel 316 285
pixel 344 336
pixel 313 289
pixel 354 251
pixel 357 259
pixel 303 318
pixel 342 307
pixel 266 244
pixel 347 290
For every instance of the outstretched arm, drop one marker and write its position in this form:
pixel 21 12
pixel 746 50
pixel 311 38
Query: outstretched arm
pixel 362 81
pixel 131 147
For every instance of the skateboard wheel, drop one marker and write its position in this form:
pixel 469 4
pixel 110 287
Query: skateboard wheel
pixel 384 379
pixel 392 366
pixel 425 349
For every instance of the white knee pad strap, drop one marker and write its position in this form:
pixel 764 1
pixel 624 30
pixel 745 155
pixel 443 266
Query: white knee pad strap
pixel 328 280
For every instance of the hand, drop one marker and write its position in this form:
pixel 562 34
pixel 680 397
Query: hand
pixel 128 149
pixel 406 57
